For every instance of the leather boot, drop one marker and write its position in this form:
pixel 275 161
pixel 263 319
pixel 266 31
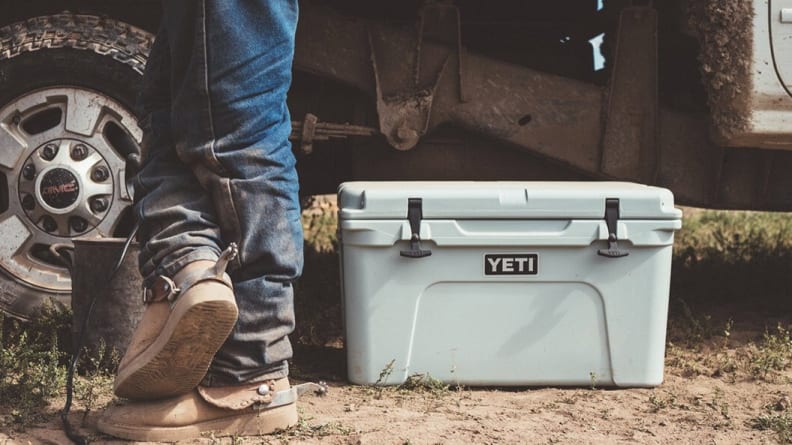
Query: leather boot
pixel 245 410
pixel 186 321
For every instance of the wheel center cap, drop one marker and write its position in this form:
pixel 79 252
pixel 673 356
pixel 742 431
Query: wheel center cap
pixel 59 188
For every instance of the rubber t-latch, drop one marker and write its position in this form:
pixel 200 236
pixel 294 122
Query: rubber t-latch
pixel 612 220
pixel 415 215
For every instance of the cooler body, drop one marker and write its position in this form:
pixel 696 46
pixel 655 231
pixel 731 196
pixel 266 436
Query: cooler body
pixel 504 283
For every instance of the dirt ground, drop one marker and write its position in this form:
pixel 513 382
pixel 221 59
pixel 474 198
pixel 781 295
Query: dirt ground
pixel 719 388
pixel 700 409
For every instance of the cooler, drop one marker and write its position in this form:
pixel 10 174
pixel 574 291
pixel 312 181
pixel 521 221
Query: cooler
pixel 506 283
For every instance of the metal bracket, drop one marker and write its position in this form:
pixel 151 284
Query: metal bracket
pixel 612 220
pixel 630 139
pixel 289 396
pixel 415 215
pixel 406 85
pixel 308 130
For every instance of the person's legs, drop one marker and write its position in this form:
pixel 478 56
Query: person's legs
pixel 224 173
pixel 229 66
pixel 177 220
pixel 244 158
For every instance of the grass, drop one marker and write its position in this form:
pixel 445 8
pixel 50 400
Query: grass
pixel 32 366
pixel 779 423
pixel 659 402
pixel 731 273
pixel 736 257
pixel 305 429
pixel 774 353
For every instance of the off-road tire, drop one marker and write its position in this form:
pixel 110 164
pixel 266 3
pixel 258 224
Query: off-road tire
pixel 74 51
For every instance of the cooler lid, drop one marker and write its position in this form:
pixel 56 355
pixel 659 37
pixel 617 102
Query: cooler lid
pixel 504 200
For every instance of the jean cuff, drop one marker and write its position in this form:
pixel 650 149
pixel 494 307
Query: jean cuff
pixel 176 261
pixel 215 377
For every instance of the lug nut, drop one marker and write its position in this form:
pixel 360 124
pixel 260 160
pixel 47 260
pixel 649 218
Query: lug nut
pixel 29 172
pixel 100 174
pixel 99 205
pixel 49 151
pixel 78 224
pixel 28 202
pixel 79 152
pixel 49 224
pixel 16 119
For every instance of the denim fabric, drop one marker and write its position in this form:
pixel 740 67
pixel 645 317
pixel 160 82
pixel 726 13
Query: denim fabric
pixel 218 167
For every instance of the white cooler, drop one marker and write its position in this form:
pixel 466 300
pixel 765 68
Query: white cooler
pixel 506 283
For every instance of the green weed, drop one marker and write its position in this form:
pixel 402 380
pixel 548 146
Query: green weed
pixel 385 373
pixel 689 328
pixel 719 404
pixel 780 423
pixel 320 226
pixel 95 377
pixel 424 383
pixel 593 380
pixel 658 403
pixel 305 429
pixel 32 369
pixel 773 354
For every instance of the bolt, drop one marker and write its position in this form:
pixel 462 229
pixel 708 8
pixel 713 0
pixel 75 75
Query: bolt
pixel 100 174
pixel 78 224
pixel 79 152
pixel 49 224
pixel 16 119
pixel 28 202
pixel 49 151
pixel 98 205
pixel 405 134
pixel 404 137
pixel 29 172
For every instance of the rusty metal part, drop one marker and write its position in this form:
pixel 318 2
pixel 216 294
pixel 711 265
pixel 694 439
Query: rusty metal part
pixel 440 22
pixel 310 130
pixel 405 86
pixel 550 116
pixel 629 145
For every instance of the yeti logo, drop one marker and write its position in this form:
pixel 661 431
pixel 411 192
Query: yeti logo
pixel 511 264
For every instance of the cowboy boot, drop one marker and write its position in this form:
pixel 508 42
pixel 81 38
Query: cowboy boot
pixel 186 321
pixel 243 410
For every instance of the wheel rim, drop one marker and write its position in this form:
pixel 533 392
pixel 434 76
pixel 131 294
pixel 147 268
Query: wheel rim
pixel 62 153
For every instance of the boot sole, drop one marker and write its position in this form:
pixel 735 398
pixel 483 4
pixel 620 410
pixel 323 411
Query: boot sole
pixel 178 359
pixel 254 423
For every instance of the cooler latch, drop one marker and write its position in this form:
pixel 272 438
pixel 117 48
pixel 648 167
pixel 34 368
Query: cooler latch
pixel 415 215
pixel 612 220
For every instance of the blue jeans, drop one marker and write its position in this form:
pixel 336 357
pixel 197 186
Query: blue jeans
pixel 218 167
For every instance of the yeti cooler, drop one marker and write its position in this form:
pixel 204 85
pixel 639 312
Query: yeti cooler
pixel 506 283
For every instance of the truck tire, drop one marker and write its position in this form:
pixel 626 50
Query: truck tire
pixel 68 84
